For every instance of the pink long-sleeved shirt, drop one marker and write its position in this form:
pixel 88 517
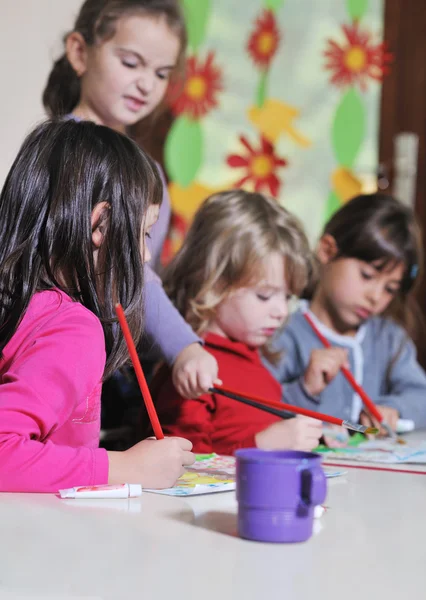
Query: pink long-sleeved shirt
pixel 50 389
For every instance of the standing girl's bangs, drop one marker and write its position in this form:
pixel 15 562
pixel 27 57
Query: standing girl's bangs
pixel 103 22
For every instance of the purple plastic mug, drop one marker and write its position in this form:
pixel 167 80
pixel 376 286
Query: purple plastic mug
pixel 277 492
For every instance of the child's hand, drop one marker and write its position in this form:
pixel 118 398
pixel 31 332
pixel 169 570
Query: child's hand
pixel 195 371
pixel 152 463
pixel 390 415
pixel 323 367
pixel 300 433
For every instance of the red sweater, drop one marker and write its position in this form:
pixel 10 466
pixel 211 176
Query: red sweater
pixel 214 423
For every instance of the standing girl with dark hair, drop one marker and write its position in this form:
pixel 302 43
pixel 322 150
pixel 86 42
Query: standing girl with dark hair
pixel 115 71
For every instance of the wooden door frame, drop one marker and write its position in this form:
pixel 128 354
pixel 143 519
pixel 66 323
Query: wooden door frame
pixel 403 102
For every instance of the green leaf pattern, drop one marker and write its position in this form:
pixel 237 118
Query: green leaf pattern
pixel 349 124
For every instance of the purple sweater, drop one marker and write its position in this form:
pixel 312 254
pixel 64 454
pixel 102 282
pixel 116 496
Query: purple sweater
pixel 167 331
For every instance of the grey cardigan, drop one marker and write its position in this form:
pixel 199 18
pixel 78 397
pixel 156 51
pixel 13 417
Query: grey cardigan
pixel 371 351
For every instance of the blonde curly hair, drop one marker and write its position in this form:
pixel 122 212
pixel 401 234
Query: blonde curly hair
pixel 232 234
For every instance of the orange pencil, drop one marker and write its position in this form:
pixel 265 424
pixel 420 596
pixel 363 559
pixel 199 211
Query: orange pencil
pixel 152 413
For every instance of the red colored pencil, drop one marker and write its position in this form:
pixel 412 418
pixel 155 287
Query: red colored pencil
pixel 350 378
pixel 152 413
pixel 294 409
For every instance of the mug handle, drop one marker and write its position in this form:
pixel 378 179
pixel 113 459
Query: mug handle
pixel 313 486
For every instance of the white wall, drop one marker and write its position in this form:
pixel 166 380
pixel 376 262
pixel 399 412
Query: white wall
pixel 30 38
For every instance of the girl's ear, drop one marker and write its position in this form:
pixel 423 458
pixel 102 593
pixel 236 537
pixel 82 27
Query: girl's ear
pixel 76 51
pixel 326 249
pixel 99 220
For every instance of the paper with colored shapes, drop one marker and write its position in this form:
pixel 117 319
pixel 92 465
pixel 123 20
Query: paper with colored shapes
pixel 379 451
pixel 225 465
pixel 213 473
pixel 214 463
pixel 193 483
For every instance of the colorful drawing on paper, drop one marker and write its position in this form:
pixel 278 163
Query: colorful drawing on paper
pixel 191 479
pixel 213 473
pixel 216 463
pixel 193 483
pixel 379 451
pixel 225 465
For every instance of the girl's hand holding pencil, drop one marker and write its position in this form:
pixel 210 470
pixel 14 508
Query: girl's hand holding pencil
pixel 390 416
pixel 153 463
pixel 324 365
pixel 375 414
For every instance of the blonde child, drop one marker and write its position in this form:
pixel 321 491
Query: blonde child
pixel 76 207
pixel 369 256
pixel 243 257
pixel 115 70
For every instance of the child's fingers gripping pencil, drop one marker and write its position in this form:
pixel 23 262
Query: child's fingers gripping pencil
pixel 152 413
pixel 355 386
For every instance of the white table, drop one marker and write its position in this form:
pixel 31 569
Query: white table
pixel 371 541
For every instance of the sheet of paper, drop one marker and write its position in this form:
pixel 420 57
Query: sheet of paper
pixel 379 451
pixel 213 473
pixel 193 483
pixel 214 463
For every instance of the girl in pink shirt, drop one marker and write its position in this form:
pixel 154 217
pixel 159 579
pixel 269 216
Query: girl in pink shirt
pixel 76 207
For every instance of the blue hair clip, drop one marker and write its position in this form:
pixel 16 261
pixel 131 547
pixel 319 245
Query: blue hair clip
pixel 414 271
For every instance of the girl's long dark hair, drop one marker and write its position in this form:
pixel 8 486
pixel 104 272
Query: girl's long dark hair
pixel 95 22
pixel 62 171
pixel 377 228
